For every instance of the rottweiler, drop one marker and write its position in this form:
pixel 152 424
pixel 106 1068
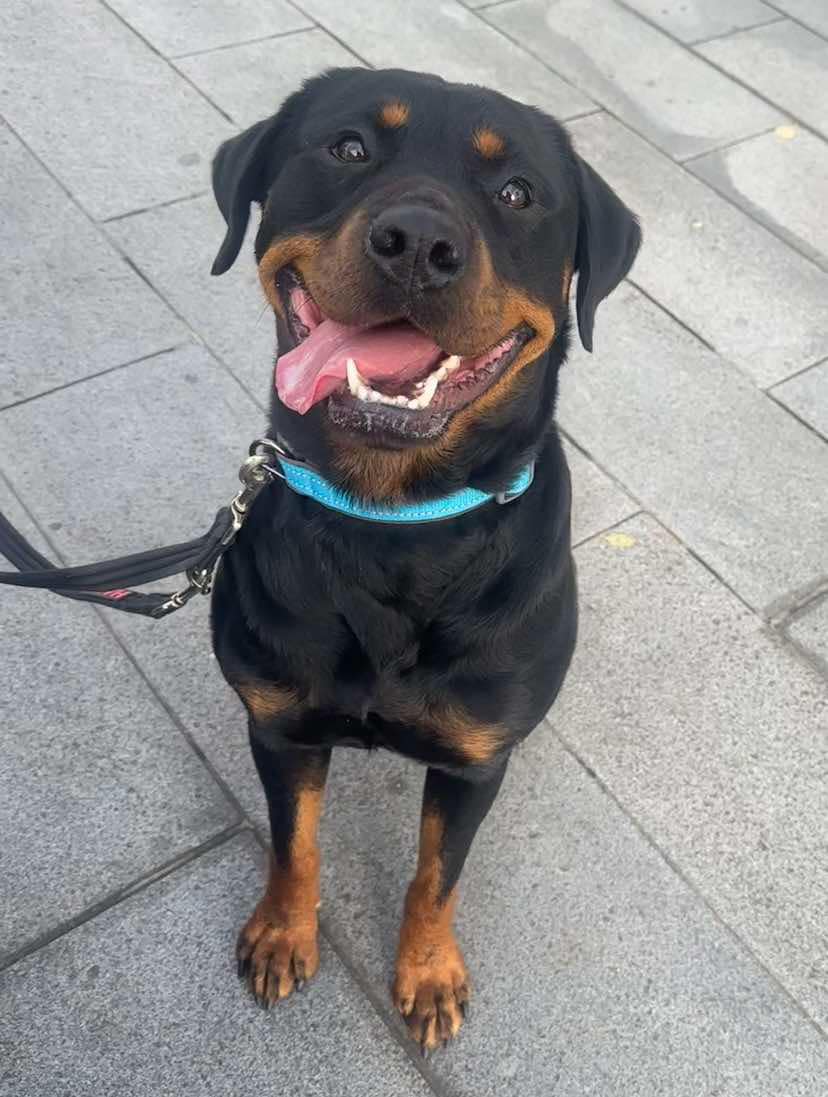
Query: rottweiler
pixel 417 243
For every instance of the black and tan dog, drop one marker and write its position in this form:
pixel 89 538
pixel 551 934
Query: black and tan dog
pixel 417 242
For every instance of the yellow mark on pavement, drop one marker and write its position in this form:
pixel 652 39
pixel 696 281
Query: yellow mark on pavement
pixel 786 133
pixel 620 540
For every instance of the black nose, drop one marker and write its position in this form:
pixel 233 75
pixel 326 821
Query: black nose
pixel 417 245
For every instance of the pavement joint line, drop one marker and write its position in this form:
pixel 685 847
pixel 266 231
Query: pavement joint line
pixel 100 228
pixel 178 723
pixel 708 567
pixel 790 239
pixel 157 205
pixel 803 655
pixel 794 19
pixel 608 529
pixel 573 441
pixel 379 1003
pixel 644 509
pixel 322 26
pixel 794 414
pixel 798 373
pixel 823 136
pixel 93 376
pixel 681 323
pixel 244 823
pixel 114 898
pixel 244 42
pixel 679 163
pixel 726 33
pixel 197 337
pixel 693 887
pixel 167 61
pixel 789 607
pixel 101 612
pixel 689 160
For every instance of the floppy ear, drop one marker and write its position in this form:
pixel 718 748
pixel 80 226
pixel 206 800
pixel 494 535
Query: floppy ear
pixel 239 179
pixel 608 241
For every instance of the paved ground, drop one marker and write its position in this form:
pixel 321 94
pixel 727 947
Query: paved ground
pixel 646 911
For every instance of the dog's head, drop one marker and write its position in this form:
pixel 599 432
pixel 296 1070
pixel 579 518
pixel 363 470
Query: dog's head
pixel 417 242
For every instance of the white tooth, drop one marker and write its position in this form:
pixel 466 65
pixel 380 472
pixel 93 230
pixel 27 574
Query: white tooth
pixel 354 379
pixel 414 404
pixel 430 387
pixel 401 401
pixel 373 396
pixel 362 391
pixel 450 363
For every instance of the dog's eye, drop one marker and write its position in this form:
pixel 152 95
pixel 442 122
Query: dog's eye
pixel 516 193
pixel 349 149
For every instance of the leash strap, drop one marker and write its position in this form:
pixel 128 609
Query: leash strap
pixel 107 583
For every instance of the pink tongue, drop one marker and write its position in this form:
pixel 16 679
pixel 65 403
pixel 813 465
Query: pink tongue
pixel 310 372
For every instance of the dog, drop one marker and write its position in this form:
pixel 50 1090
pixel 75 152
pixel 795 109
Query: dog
pixel 417 242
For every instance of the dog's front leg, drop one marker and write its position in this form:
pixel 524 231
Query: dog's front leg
pixel 277 949
pixel 431 987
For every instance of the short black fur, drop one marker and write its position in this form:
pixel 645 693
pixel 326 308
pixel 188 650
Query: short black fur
pixel 374 634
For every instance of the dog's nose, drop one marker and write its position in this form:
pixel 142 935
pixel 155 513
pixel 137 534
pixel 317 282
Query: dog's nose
pixel 415 244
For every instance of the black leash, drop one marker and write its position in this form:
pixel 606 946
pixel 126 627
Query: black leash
pixel 106 583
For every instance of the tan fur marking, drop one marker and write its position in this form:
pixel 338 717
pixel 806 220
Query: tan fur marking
pixel 488 144
pixel 567 282
pixel 477 743
pixel 279 941
pixel 393 115
pixel 264 700
pixel 431 984
pixel 291 250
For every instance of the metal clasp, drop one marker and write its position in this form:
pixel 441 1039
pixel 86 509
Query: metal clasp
pixel 259 470
pixel 255 473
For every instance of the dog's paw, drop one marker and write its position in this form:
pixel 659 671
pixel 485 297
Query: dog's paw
pixel 432 994
pixel 276 960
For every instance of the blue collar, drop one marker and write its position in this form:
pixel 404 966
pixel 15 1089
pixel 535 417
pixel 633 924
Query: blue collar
pixel 304 480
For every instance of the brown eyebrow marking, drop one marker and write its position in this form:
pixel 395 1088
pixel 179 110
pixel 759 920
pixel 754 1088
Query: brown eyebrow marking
pixel 489 144
pixel 393 115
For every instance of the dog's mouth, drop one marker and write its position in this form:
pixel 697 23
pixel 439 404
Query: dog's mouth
pixel 388 378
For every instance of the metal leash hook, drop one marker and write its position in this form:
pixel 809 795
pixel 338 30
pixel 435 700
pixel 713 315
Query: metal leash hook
pixel 259 470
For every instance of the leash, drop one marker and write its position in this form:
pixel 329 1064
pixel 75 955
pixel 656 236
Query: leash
pixel 197 559
pixel 109 582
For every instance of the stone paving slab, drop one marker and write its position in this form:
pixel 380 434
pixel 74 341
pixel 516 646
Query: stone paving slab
pixel 596 971
pixel 756 301
pixel 120 128
pixel 229 313
pixel 177 27
pixel 165 440
pixel 251 81
pixel 659 89
pixel 696 20
pixel 144 1000
pixel 450 40
pixel 814 13
pixel 807 395
pixel 597 502
pixel 692 729
pixel 96 784
pixel 779 178
pixel 810 629
pixel 786 62
pixel 688 435
pixel 71 305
